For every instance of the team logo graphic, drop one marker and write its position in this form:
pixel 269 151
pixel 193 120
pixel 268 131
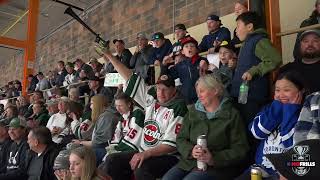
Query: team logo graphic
pixel 301 160
pixel 151 133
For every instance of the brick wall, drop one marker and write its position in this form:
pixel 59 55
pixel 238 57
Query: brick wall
pixel 123 19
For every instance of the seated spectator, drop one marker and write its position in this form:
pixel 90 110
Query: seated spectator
pixel 10 113
pixel 52 106
pixel 163 118
pixel 189 69
pixel 307 126
pixel 280 161
pixel 17 88
pixel 10 90
pixel 5 143
pixel 123 54
pixel 274 125
pixel 80 65
pixel 22 105
pixel 32 83
pixel 70 78
pixel 57 122
pixel 104 126
pixel 82 128
pixel 43 83
pixel 256 59
pixel 96 66
pixel 162 48
pixel 40 115
pixel 36 97
pixel 126 138
pixel 51 77
pixel 227 56
pixel 212 115
pixel 97 87
pixel 216 35
pixel 312 20
pixel 83 164
pixel 74 95
pixel 42 154
pixel 309 64
pixel 18 149
pixel 175 56
pixel 239 8
pixel 141 56
pixel 61 74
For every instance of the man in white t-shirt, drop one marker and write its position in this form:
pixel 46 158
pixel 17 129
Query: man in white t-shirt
pixel 57 122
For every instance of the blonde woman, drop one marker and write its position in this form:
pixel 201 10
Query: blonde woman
pixel 83 164
pixel 105 119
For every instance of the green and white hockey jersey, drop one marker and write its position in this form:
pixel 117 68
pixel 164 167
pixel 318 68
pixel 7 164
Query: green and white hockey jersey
pixel 162 122
pixel 126 136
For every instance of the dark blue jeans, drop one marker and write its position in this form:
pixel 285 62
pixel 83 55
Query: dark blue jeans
pixel 176 173
pixel 100 153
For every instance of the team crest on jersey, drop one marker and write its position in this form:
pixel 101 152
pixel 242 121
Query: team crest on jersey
pixel 151 133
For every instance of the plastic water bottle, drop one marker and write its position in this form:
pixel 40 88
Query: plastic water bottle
pixel 243 93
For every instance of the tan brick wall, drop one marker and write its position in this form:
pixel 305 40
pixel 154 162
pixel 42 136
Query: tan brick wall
pixel 122 19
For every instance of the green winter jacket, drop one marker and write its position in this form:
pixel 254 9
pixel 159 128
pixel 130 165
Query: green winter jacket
pixel 226 139
pixel 42 118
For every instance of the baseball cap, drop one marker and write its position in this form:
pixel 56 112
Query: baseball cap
pixel 289 163
pixel 16 123
pixel 180 26
pixel 213 17
pixel 157 35
pixel 70 64
pixel 188 39
pixel 93 60
pixel 94 78
pixel 39 73
pixel 118 40
pixel 166 80
pixel 227 45
pixel 142 35
pixel 312 31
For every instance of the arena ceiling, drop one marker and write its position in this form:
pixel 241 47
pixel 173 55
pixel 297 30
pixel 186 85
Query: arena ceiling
pixel 14 19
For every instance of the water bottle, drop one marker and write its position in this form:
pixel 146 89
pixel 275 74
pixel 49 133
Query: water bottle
pixel 202 141
pixel 243 93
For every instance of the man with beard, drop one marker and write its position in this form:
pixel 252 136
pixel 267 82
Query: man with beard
pixel 309 66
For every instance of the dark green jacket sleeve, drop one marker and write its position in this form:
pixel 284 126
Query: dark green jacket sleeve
pixel 184 145
pixel 238 144
pixel 270 58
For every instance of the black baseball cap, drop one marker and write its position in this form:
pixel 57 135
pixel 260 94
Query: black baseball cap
pixel 157 35
pixel 312 31
pixel 227 45
pixel 39 73
pixel 180 26
pixel 213 17
pixel 166 80
pixel 94 78
pixel 118 40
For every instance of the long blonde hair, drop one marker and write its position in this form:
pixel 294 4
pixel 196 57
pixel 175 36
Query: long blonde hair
pixel 99 103
pixel 88 159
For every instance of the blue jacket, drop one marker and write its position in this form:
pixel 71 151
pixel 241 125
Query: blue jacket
pixel 160 53
pixel 188 74
pixel 259 85
pixel 223 34
pixel 274 126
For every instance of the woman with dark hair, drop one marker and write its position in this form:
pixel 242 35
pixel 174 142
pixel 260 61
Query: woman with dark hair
pixel 274 125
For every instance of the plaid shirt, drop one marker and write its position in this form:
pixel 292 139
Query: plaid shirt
pixel 308 126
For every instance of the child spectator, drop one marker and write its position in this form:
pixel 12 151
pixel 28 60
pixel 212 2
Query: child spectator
pixel 256 59
pixel 187 70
